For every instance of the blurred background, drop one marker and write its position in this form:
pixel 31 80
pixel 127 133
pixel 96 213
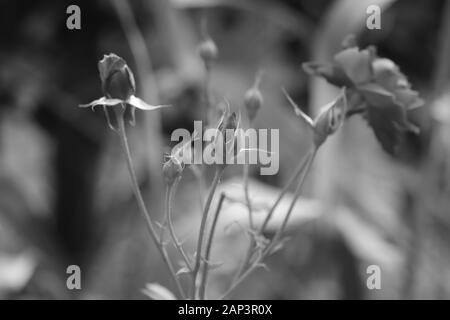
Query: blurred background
pixel 65 195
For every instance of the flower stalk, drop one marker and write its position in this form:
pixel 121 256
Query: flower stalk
pixel 140 200
pixel 205 270
pixel 198 256
pixel 170 192
pixel 305 166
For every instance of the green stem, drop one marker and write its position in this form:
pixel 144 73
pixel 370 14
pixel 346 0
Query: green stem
pixel 208 248
pixel 170 191
pixel 217 175
pixel 140 201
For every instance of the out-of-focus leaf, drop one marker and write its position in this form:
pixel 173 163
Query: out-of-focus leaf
pixel 213 265
pixel 183 270
pixel 387 118
pixel 280 245
pixel 275 12
pixel 158 292
pixel 366 241
pixel 331 72
pixel 264 196
pixel 385 127
pixel 356 64
pixel 15 271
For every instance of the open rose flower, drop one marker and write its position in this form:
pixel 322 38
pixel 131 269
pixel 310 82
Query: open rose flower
pixel 118 88
pixel 377 89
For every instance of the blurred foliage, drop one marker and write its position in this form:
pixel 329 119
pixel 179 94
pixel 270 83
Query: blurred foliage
pixel 65 196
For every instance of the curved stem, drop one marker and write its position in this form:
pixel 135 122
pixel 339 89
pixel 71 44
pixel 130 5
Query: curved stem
pixel 311 156
pixel 208 87
pixel 208 248
pixel 297 172
pixel 198 174
pixel 238 281
pixel 198 255
pixel 247 195
pixel 170 191
pixel 141 204
pixel 249 253
pixel 305 164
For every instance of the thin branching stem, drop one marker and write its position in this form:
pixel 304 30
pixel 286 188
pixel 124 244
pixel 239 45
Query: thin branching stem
pixel 283 192
pixel 251 244
pixel 141 204
pixel 245 262
pixel 205 270
pixel 170 191
pixel 198 255
pixel 305 167
pixel 246 170
pixel 238 281
pixel 207 89
pixel 297 193
pixel 198 174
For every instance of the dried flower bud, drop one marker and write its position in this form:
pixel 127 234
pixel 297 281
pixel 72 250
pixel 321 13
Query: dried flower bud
pixel 253 100
pixel 207 51
pixel 172 170
pixel 117 78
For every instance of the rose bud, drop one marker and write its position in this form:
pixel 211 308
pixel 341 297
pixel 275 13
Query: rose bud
pixel 118 88
pixel 207 51
pixel 117 78
pixel 253 99
pixel 172 170
pixel 328 121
